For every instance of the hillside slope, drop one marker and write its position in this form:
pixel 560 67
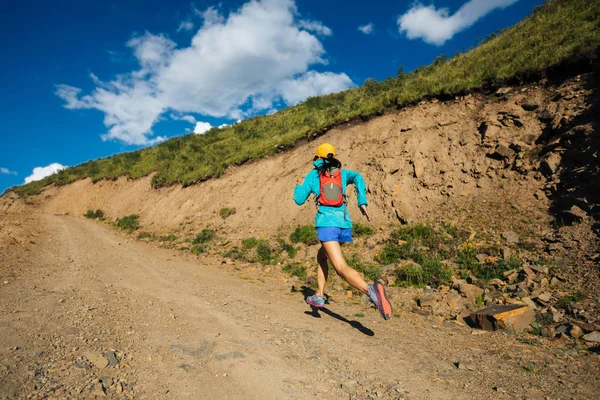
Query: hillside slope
pixel 563 36
pixel 523 159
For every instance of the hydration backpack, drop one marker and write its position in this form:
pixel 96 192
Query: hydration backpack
pixel 331 192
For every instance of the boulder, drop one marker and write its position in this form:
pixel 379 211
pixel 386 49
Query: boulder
pixel 549 166
pixel 471 292
pixel 501 152
pixel 515 317
pixel 530 104
pixel 427 301
pixel 510 237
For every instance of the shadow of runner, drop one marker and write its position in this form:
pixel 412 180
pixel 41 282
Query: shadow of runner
pixel 355 324
pixel 307 291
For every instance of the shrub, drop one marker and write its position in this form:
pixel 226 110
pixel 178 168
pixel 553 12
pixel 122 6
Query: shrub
pixel 129 223
pixel 370 271
pixel 304 234
pixel 362 230
pixel 249 243
pixel 198 249
pixel 295 269
pixel 204 236
pixel 98 214
pixel 146 235
pixel 169 238
pixel 288 248
pixel 226 212
pixel 264 252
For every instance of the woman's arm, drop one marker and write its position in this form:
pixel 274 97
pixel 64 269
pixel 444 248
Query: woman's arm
pixel 361 187
pixel 303 190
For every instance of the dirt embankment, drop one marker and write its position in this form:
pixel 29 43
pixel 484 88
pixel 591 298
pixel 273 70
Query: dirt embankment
pixel 524 159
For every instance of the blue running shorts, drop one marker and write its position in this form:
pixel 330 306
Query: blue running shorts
pixel 334 234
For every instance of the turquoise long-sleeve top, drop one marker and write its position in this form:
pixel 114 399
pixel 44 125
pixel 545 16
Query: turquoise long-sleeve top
pixel 331 216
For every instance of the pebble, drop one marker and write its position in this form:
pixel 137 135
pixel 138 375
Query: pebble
pixel 592 337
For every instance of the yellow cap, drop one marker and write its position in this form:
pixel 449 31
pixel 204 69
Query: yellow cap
pixel 324 150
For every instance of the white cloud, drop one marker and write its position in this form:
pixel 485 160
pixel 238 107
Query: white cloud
pixel 313 84
pixel 202 127
pixel 235 66
pixel 367 29
pixel 185 26
pixel 315 26
pixel 42 172
pixel 6 171
pixel 436 26
pixel 186 118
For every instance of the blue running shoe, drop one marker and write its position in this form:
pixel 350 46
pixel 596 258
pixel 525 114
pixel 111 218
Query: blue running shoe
pixel 316 301
pixel 378 297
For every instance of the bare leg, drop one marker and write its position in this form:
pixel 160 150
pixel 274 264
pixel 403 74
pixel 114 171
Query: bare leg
pixel 350 275
pixel 322 271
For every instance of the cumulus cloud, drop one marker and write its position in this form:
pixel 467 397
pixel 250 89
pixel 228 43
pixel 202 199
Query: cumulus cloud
pixel 313 84
pixel 315 26
pixel 180 117
pixel 367 29
pixel 236 65
pixel 185 26
pixel 202 127
pixel 42 172
pixel 436 26
pixel 6 171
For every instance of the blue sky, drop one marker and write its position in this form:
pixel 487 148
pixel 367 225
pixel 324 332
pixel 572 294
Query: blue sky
pixel 82 80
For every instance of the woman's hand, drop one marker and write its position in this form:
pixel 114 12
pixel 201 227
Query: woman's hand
pixel 299 182
pixel 363 209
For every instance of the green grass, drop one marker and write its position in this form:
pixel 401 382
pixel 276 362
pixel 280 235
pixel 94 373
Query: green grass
pixel 369 270
pixel 146 235
pixel 98 214
pixel 559 33
pixel 250 243
pixel 565 302
pixel 129 223
pixel 204 236
pixel 295 269
pixel 362 230
pixel 304 234
pixel 226 212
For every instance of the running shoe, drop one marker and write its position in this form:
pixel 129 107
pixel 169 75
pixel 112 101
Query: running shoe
pixel 316 301
pixel 378 297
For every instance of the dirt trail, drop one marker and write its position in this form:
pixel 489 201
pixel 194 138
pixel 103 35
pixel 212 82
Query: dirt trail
pixel 182 330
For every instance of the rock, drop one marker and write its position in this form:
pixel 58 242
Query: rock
pixel 510 237
pixel 557 316
pixel 481 258
pixel 545 297
pixel 97 359
pixel 527 273
pixel 549 166
pixel 545 116
pixel 539 269
pixel 454 300
pixel 418 169
pixel 471 292
pixel 529 302
pixel 512 317
pixel 112 358
pixel 501 152
pixel 575 332
pixel 506 253
pixel 426 301
pixel 575 214
pixel 530 105
pixel 592 337
pixel 464 365
pixel 350 386
pixel 498 283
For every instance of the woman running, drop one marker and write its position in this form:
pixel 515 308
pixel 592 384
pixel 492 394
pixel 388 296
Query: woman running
pixel 327 181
